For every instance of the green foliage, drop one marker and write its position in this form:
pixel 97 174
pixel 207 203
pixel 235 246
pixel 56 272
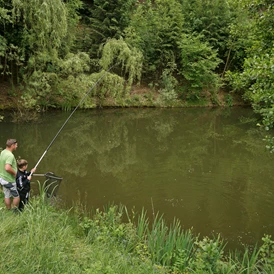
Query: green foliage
pixel 261 12
pixel 126 62
pixel 40 87
pixel 229 100
pixel 198 62
pixel 210 18
pixel 73 89
pixel 167 246
pixel 63 84
pixel 73 81
pixel 3 46
pixel 168 86
pixel 107 225
pixel 171 247
pixel 248 262
pixel 73 19
pixel 255 81
pixel 269 143
pixel 105 20
pixel 176 44
pixel 4 13
pixel 155 29
pixel 267 251
pixel 5 19
pixel 111 86
pixel 259 76
pixel 116 52
pixel 74 64
pixel 52 244
pixel 45 23
pixel 58 241
pixel 158 30
pixel 34 34
pixel 208 255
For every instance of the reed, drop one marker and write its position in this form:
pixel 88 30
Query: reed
pixel 167 246
pixel 249 261
pixel 142 227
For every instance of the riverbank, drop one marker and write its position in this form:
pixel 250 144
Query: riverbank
pixel 140 96
pixel 45 239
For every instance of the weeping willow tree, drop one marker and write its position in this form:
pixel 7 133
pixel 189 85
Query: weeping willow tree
pixel 44 26
pixel 41 33
pixel 33 34
pixel 116 52
pixel 125 64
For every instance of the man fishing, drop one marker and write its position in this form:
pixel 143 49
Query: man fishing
pixel 8 171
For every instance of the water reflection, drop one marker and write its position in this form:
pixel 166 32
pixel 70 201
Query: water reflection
pixel 207 167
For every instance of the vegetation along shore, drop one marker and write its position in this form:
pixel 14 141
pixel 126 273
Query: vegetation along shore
pixel 163 53
pixel 45 239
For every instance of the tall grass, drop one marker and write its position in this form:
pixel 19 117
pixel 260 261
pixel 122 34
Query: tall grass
pixel 44 239
pixel 180 251
pixel 168 246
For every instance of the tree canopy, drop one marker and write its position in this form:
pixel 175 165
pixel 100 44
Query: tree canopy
pixel 182 50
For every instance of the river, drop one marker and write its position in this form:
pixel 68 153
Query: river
pixel 206 167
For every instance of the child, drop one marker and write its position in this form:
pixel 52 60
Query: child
pixel 23 182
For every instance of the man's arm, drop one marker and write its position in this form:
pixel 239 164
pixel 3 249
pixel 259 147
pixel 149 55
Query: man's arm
pixel 10 170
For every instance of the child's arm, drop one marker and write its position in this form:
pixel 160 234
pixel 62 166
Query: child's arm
pixel 31 172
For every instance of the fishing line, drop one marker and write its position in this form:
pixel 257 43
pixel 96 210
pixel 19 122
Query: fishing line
pixel 83 98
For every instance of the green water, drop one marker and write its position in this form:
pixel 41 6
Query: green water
pixel 207 167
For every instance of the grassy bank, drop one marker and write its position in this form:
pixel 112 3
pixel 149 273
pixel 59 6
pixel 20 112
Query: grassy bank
pixel 45 239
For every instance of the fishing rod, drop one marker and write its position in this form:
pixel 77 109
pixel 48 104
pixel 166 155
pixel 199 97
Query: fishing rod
pixel 83 98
